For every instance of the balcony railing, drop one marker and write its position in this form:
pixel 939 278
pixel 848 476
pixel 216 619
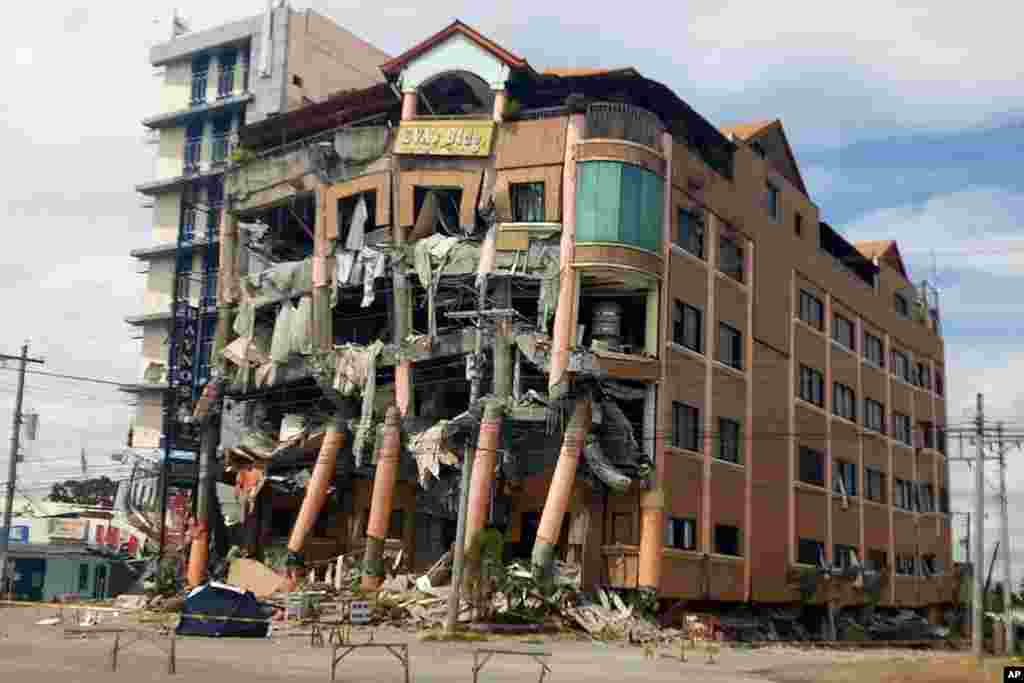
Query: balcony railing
pixel 617 121
pixel 198 95
pixel 192 154
pixel 223 143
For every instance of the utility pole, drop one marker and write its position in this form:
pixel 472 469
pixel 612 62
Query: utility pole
pixel 1011 649
pixel 12 465
pixel 978 623
pixel 459 552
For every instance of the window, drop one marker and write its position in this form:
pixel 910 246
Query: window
pixel 688 327
pixel 901 428
pixel 730 346
pixel 844 401
pixel 874 415
pixel 350 211
pixel 730 258
pixel 200 72
pixel 943 501
pixel 874 485
pixel 923 376
pixel 812 311
pixel 226 77
pixel 297 80
pixel 927 430
pixel 442 207
pixel 83 578
pixel 727 540
pixel 685 426
pixel 728 440
pixel 877 559
pixel 681 533
pixel 221 147
pixel 903 497
pixel 812 386
pixel 193 147
pixel 810 551
pixel 843 556
pixel 901 304
pixel 873 350
pixel 927 497
pixel 904 564
pixel 691 232
pixel 772 201
pixel 844 477
pixel 798 224
pixel 940 384
pixel 812 466
pixel 842 331
pixel 901 365
pixel 929 565
pixel 527 202
pixel 620 203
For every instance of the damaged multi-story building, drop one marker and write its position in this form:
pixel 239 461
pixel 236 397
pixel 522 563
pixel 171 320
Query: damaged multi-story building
pixel 665 366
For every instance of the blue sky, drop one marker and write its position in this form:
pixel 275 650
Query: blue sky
pixel 907 121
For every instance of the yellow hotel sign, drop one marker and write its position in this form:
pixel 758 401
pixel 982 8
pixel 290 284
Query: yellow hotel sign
pixel 445 138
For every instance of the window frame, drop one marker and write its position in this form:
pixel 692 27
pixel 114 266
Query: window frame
pixel 871 342
pixel 838 321
pixel 901 305
pixel 739 540
pixel 816 380
pixel 733 245
pixel 695 233
pixel 679 326
pixel 514 204
pixel 678 410
pixel 803 455
pixel 847 472
pixel 844 396
pixel 870 423
pixel 736 344
pixel 773 197
pixel 874 478
pixel 902 430
pixel 798 224
pixel 840 559
pixel 815 304
pixel 901 366
pixel 678 526
pixel 734 440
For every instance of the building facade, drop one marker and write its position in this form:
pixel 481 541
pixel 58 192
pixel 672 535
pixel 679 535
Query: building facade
pixel 212 83
pixel 668 367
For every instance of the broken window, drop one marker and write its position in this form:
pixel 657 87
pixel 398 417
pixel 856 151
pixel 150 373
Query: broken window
pixel 730 346
pixel 691 232
pixel 812 466
pixel 843 556
pixel 615 320
pixel 810 551
pixel 728 440
pixel 685 426
pixel 349 208
pixel 681 533
pixel 456 93
pixel 844 477
pixel 436 209
pixel 728 540
pixel 688 326
pixel 281 522
pixel 527 202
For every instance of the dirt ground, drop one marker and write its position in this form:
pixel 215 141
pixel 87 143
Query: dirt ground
pixel 42 654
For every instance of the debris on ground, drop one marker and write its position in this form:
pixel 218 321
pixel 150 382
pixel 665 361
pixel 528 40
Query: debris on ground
pixel 52 621
pixel 131 602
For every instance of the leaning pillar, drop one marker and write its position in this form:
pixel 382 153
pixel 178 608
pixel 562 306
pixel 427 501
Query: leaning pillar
pixel 380 504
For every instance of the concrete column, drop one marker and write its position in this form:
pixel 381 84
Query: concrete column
pixel 199 554
pixel 828 428
pixel 652 539
pixel 381 502
pixel 323 317
pixel 482 480
pixel 316 490
pixel 560 491
pixel 409 105
pixel 565 314
pixel 791 417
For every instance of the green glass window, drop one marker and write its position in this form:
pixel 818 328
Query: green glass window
pixel 619 203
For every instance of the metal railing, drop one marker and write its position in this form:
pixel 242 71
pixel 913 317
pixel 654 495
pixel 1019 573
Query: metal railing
pixel 226 82
pixel 616 121
pixel 193 152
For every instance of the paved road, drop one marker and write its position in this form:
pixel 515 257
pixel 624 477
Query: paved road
pixel 40 654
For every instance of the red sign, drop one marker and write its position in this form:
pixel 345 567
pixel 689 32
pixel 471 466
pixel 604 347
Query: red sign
pixel 100 534
pixel 113 536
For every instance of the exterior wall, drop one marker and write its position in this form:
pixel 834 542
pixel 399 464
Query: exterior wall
pixel 166 217
pixel 159 286
pixel 62 577
pixel 169 155
pixel 327 59
pixel 148 422
pixel 177 86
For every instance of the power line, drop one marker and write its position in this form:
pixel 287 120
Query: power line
pixel 76 378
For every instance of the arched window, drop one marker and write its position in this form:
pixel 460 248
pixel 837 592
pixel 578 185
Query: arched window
pixel 456 93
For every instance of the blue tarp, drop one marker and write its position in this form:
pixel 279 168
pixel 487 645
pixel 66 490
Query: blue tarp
pixel 216 610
